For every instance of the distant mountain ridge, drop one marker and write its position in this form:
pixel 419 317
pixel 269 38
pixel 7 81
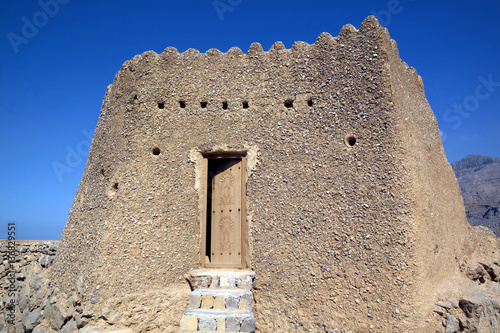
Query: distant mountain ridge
pixel 479 180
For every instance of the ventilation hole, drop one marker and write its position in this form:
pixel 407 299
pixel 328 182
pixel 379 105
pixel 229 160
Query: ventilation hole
pixel 135 97
pixel 350 141
pixel 182 104
pixel 203 104
pixel 310 102
pixel 245 105
pixel 161 105
pixel 289 103
pixel 224 105
pixel 115 186
pixel 156 151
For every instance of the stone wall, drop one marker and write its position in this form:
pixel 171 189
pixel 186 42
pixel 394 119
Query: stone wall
pixel 40 307
pixel 437 215
pixel 25 283
pixel 37 306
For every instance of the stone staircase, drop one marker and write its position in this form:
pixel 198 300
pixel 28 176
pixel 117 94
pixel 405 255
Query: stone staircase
pixel 221 301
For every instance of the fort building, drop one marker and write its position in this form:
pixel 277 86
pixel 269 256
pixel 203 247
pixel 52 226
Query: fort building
pixel 309 184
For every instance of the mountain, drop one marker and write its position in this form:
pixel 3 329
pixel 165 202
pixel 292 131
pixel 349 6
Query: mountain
pixel 479 180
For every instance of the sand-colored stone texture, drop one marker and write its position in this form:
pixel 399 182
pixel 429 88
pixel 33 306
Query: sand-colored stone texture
pixel 354 219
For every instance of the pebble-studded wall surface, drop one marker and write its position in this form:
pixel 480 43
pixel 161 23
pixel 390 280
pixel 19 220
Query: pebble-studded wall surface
pixel 350 201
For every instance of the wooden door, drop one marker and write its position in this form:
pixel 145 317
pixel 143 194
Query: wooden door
pixel 226 233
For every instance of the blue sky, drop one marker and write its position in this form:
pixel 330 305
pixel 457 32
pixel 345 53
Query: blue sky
pixel 58 56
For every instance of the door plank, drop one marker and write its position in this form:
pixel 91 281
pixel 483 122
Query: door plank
pixel 226 243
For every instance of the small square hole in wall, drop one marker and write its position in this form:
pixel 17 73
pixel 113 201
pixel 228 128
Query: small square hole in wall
pixel 289 103
pixel 161 105
pixel 310 102
pixel 224 105
pixel 182 104
pixel 245 105
pixel 203 104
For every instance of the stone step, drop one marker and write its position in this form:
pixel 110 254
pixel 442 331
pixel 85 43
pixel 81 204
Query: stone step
pixel 221 279
pixel 221 299
pixel 217 321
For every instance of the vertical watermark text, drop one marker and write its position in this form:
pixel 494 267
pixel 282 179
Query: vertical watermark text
pixel 10 314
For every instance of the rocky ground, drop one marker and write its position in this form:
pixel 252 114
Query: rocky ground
pixel 479 180
pixel 473 306
pixel 477 308
pixel 39 308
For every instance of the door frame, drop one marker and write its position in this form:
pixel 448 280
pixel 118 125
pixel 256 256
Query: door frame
pixel 204 194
